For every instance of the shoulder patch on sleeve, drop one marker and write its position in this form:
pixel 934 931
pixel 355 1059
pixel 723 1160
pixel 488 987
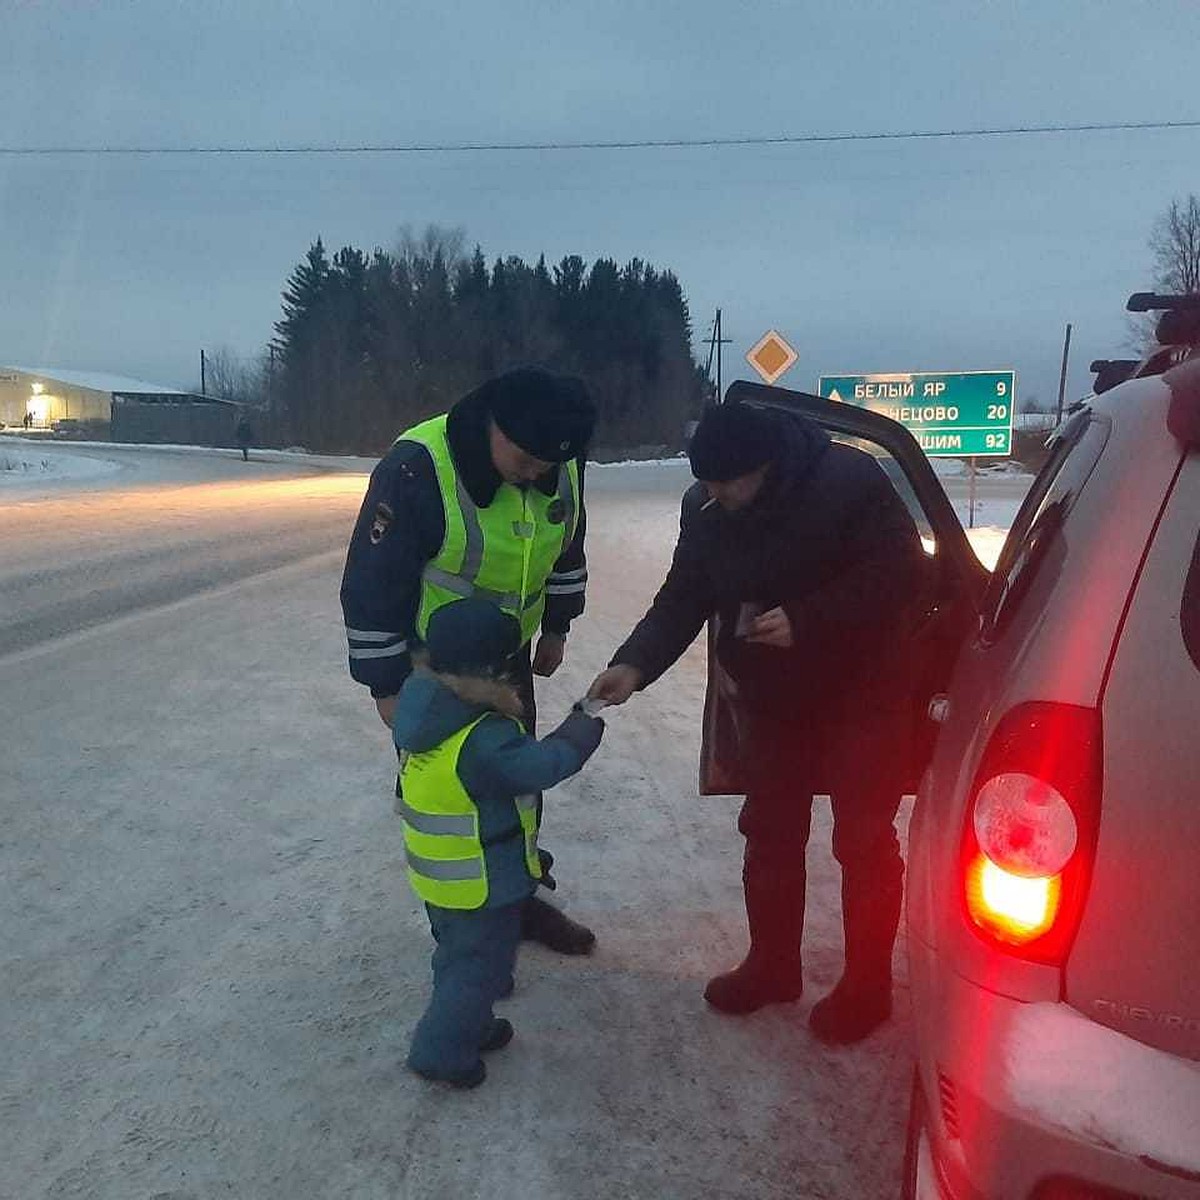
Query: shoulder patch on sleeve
pixel 381 522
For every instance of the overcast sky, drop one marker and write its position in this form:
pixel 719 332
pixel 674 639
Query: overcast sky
pixel 868 256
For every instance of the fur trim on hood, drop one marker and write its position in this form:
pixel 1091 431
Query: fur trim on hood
pixel 487 691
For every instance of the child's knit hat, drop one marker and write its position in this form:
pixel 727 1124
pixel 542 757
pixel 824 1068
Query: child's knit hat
pixel 471 637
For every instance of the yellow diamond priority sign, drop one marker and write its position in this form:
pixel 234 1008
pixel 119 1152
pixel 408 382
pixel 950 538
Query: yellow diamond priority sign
pixel 770 356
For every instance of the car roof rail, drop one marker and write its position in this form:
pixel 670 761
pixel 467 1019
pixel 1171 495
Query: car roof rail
pixel 1179 324
pixel 1111 371
pixel 1157 302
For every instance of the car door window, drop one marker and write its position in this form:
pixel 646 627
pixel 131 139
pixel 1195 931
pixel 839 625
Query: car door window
pixel 899 481
pixel 1074 453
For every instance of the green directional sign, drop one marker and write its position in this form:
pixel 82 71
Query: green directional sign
pixel 951 414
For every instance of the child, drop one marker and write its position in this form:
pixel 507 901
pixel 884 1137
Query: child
pixel 469 779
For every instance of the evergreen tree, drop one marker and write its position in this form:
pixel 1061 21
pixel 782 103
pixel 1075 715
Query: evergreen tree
pixel 367 346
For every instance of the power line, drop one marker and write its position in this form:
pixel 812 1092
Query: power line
pixel 798 139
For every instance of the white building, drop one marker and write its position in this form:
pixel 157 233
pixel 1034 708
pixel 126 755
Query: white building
pixel 44 396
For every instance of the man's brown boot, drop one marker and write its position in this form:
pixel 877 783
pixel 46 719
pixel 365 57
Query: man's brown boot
pixel 751 986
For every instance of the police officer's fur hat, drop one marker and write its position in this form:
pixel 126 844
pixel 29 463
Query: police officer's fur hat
pixel 549 416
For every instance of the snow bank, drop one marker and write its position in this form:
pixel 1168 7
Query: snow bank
pixel 32 468
pixel 993 520
pixel 987 541
pixel 33 465
pixel 1102 1088
pixel 640 462
pixel 959 468
pixel 949 468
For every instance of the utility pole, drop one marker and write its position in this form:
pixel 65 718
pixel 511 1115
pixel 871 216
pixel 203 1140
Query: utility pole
pixel 715 342
pixel 718 341
pixel 202 389
pixel 1062 378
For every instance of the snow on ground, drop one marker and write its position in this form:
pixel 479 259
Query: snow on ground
pixel 1104 1089
pixel 35 465
pixel 679 460
pixel 987 541
pixel 960 468
pixel 993 519
pixel 41 468
pixel 212 961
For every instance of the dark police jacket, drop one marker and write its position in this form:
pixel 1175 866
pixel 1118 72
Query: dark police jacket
pixel 400 527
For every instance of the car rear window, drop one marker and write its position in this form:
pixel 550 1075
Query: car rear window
pixel 1074 453
pixel 1189 610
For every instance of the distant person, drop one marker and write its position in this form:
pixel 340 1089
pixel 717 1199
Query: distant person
pixel 802 555
pixel 468 778
pixel 27 420
pixel 245 435
pixel 485 500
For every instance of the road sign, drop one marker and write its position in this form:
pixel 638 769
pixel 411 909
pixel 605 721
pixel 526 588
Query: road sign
pixel 951 414
pixel 770 356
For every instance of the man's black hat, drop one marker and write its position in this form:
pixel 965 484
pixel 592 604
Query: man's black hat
pixel 733 440
pixel 549 416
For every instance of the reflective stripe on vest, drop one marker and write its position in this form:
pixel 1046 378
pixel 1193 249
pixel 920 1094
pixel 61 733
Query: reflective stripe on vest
pixel 504 552
pixel 445 856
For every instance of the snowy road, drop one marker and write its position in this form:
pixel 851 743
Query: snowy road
pixel 80 560
pixel 211 961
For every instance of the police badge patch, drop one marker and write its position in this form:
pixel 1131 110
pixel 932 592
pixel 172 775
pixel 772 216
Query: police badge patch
pixel 382 522
pixel 557 512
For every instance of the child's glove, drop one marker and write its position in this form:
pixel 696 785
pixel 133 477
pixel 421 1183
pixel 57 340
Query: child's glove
pixel 582 732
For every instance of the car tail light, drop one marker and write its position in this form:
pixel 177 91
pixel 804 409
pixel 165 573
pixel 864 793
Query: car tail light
pixel 1031 828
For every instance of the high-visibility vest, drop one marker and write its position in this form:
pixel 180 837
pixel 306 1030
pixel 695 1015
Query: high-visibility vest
pixel 504 552
pixel 446 862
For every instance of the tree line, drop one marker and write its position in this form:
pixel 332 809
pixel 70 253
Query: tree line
pixel 369 344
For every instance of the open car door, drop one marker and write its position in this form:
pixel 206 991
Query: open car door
pixel 947 610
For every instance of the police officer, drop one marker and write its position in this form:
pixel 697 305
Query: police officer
pixel 485 500
pixel 801 553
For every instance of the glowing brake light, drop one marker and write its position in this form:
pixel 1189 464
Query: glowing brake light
pixel 1030 834
pixel 1015 908
pixel 1026 834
